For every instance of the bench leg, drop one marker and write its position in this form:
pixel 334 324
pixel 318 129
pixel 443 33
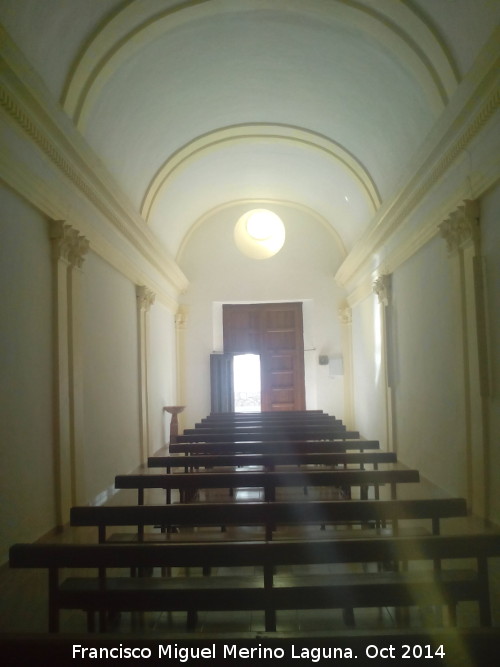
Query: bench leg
pixel 192 620
pixel 102 621
pixel 90 621
pixel 53 608
pixel 53 618
pixel 349 619
pixel 402 615
pixel 452 614
pixel 270 620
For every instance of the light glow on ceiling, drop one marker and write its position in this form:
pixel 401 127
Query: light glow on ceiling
pixel 259 233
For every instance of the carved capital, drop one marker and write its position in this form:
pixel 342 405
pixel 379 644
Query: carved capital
pixel 381 287
pixel 345 314
pixel 181 317
pixel 67 243
pixel 461 226
pixel 145 297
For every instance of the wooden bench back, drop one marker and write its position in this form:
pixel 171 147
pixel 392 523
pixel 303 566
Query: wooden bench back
pixel 269 460
pixel 269 446
pixel 269 515
pixel 274 414
pixel 270 554
pixel 268 433
pixel 307 422
pixel 267 480
pixel 154 593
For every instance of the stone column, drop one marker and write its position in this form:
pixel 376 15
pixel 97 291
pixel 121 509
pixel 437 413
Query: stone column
pixel 345 317
pixel 382 289
pixel 461 231
pixel 68 252
pixel 145 299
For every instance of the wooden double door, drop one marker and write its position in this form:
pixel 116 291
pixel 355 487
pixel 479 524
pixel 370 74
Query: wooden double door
pixel 274 331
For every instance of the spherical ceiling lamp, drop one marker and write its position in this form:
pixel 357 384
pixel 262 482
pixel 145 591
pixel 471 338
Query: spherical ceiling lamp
pixel 259 233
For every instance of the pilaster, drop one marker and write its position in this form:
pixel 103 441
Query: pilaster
pixel 461 231
pixel 181 318
pixel 381 287
pixel 345 318
pixel 145 299
pixel 69 248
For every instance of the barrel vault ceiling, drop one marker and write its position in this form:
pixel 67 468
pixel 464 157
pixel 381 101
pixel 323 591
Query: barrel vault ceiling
pixel 195 106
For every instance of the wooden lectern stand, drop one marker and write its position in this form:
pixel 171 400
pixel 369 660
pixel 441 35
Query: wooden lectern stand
pixel 174 410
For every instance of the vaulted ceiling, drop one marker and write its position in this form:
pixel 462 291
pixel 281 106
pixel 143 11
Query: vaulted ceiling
pixel 195 106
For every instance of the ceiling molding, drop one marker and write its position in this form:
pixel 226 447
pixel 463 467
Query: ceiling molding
pixel 476 101
pixel 261 202
pixel 236 134
pixel 395 26
pixel 54 206
pixel 26 102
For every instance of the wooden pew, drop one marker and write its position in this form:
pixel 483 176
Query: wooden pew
pixel 272 446
pixel 260 436
pixel 271 414
pixel 269 518
pixel 190 482
pixel 271 424
pixel 277 421
pixel 274 431
pixel 270 591
pixel 270 461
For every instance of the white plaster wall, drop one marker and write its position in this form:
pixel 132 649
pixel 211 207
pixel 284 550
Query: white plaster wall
pixel 111 376
pixel 162 374
pixel 490 230
pixel 26 399
pixel 302 271
pixel 427 367
pixel 368 373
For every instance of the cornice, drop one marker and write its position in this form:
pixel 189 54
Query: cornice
pixel 49 203
pixel 24 99
pixel 476 101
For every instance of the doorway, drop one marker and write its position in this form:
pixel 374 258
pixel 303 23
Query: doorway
pixel 246 383
pixel 273 332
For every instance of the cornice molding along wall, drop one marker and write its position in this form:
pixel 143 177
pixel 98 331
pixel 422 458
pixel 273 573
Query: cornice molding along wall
pixel 30 107
pixel 52 205
pixel 476 101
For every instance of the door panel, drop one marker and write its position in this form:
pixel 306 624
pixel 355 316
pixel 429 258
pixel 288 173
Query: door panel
pixel 275 332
